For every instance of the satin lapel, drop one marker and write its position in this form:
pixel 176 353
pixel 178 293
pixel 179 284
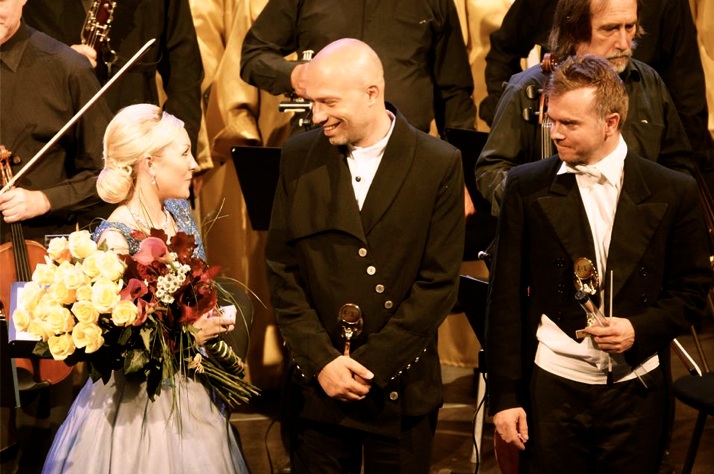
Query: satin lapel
pixel 392 172
pixel 564 211
pixel 324 198
pixel 635 223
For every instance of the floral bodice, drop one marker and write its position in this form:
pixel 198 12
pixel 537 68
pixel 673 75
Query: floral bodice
pixel 180 211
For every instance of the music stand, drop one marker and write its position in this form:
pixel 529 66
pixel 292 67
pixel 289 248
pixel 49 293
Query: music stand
pixel 258 168
pixel 481 227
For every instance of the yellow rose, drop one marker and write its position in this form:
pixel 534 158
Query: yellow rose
pixel 38 328
pixel 22 319
pixel 58 250
pixel 61 346
pixel 44 273
pixel 81 244
pixel 46 301
pixel 105 294
pixel 84 292
pixel 85 312
pixel 89 336
pixel 124 313
pixel 110 266
pixel 29 295
pixel 60 293
pixel 90 267
pixel 59 319
pixel 73 276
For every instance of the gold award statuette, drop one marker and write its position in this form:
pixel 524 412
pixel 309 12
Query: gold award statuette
pixel 350 318
pixel 587 283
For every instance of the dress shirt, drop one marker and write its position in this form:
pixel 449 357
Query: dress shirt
pixel 363 163
pixel 600 186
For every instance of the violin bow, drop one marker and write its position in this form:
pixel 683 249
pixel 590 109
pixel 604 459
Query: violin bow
pixel 77 116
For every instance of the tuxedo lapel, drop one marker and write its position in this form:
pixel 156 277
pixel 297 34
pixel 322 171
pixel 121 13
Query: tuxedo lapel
pixel 392 172
pixel 633 213
pixel 563 208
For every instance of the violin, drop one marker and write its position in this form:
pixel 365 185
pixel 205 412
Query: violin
pixel 97 25
pixel 18 259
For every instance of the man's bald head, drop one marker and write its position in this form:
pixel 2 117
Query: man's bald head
pixel 350 60
pixel 345 82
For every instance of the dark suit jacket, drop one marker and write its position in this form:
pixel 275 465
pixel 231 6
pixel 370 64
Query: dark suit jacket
pixel 398 260
pixel 658 252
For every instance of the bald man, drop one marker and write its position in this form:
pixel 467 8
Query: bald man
pixel 363 257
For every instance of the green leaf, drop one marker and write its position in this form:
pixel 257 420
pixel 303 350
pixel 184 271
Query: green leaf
pixel 135 360
pixel 125 335
pixel 146 334
pixel 42 349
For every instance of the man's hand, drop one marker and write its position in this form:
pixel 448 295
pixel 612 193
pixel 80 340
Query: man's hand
pixel 616 338
pixel 511 426
pixel 86 51
pixel 345 379
pixel 297 80
pixel 19 204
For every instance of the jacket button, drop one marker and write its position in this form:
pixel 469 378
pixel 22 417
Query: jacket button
pixel 362 252
pixel 388 304
pixel 393 396
pixel 371 270
pixel 379 288
pixel 643 272
pixel 644 298
pixel 560 288
pixel 560 262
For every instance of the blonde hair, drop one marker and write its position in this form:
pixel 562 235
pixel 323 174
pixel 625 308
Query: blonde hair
pixel 136 132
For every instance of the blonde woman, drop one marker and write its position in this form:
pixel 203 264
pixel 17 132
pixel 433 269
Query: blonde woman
pixel 114 427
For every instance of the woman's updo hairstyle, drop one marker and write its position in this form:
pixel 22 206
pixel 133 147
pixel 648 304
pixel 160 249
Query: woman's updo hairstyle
pixel 136 132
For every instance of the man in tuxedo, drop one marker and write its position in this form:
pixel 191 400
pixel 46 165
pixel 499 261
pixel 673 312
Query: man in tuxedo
pixel 607 28
pixel 365 244
pixel 576 392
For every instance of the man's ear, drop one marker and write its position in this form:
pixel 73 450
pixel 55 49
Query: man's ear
pixel 373 93
pixel 612 123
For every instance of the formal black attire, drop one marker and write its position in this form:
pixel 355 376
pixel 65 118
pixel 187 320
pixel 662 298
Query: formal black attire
pixel 669 45
pixel 175 56
pixel 652 129
pixel 659 256
pixel 44 83
pixel 420 44
pixel 399 266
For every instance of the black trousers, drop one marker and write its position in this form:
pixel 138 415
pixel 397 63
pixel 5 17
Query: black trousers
pixel 318 448
pixel 585 428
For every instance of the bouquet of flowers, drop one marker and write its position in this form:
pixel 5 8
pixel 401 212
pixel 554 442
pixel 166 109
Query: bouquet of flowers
pixel 131 313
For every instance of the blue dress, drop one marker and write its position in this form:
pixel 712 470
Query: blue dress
pixel 115 428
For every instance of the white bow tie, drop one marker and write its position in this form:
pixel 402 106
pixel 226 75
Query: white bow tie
pixel 591 174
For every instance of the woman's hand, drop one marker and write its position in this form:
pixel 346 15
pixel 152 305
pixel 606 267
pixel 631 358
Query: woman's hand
pixel 212 324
